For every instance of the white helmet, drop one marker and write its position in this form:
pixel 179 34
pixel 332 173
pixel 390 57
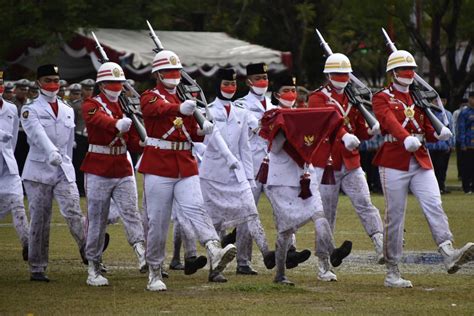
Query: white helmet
pixel 400 58
pixel 110 72
pixel 166 59
pixel 337 63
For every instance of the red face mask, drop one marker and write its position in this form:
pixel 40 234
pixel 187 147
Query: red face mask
pixel 408 73
pixel 115 86
pixel 288 96
pixel 262 83
pixel 172 74
pixel 51 86
pixel 2 88
pixel 229 89
pixel 340 77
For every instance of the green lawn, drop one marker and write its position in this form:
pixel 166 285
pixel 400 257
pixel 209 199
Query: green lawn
pixel 360 290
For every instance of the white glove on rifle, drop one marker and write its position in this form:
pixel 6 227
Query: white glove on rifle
pixel 4 136
pixel 374 130
pixel 123 125
pixel 445 134
pixel 187 107
pixel 207 128
pixel 411 143
pixel 55 158
pixel 350 141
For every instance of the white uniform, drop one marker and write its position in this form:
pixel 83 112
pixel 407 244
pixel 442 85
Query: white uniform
pixel 227 193
pixel 47 133
pixel 290 211
pixel 11 191
pixel 258 146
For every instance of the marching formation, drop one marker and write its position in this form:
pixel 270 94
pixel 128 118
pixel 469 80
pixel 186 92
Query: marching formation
pixel 205 167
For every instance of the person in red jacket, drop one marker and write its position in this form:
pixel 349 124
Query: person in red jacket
pixel 171 172
pixel 108 172
pixel 344 153
pixel 405 164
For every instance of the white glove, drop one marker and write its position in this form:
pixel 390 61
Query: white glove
pixel 374 130
pixel 187 107
pixel 123 125
pixel 55 158
pixel 5 137
pixel 411 144
pixel 252 183
pixel 233 163
pixel 350 141
pixel 142 143
pixel 206 129
pixel 445 134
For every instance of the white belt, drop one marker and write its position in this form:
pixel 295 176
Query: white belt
pixel 164 144
pixel 106 150
pixel 389 138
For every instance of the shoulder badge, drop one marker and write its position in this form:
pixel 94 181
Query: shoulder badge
pixel 153 100
pixel 239 105
pixel 25 114
pixel 92 111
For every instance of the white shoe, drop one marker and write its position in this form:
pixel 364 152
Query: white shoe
pixel 377 239
pixel 394 279
pixel 325 274
pixel 95 277
pixel 139 249
pixel 455 258
pixel 220 257
pixel 155 282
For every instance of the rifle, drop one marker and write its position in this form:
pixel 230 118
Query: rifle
pixel 130 105
pixel 421 97
pixel 188 87
pixel 356 91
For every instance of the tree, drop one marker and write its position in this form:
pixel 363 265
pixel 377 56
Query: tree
pixel 447 42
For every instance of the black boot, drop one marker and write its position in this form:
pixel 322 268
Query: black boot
pixel 216 277
pixel 294 258
pixel 229 238
pixel 269 260
pixel 39 276
pixel 192 264
pixel 340 253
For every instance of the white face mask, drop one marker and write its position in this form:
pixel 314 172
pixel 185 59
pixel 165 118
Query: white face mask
pixel 112 95
pixel 170 83
pixel 338 85
pixel 286 103
pixel 259 91
pixel 227 95
pixel 50 96
pixel 403 81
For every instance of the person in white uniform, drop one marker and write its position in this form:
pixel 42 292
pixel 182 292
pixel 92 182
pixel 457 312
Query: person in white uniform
pixel 48 172
pixel 226 183
pixel 11 190
pixel 292 209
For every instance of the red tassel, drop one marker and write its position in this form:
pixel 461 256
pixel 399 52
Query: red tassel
pixel 262 174
pixel 305 189
pixel 328 175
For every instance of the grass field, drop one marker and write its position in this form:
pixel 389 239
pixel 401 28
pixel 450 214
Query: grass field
pixel 360 288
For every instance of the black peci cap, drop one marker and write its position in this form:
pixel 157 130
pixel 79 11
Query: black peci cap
pixel 256 69
pixel 47 70
pixel 226 74
pixel 285 80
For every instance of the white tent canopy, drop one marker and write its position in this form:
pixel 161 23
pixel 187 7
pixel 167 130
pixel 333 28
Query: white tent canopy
pixel 202 52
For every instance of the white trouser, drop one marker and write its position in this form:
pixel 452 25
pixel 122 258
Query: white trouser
pixel 422 183
pixel 355 186
pixel 159 194
pixel 11 201
pixel 99 192
pixel 40 200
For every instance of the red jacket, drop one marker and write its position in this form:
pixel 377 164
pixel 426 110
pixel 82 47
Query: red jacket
pixel 101 131
pixel 391 114
pixel 160 108
pixel 354 124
